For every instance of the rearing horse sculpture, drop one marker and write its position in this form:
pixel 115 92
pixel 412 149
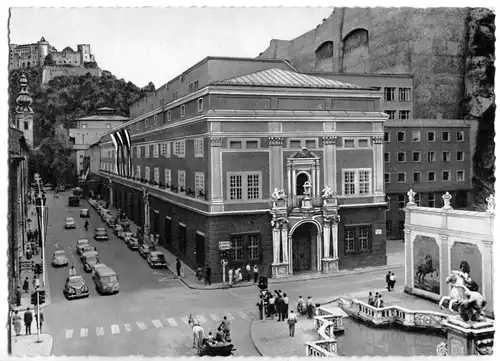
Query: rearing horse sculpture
pixel 198 332
pixel 457 280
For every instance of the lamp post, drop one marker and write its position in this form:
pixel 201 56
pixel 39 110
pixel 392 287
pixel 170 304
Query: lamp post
pixel 41 202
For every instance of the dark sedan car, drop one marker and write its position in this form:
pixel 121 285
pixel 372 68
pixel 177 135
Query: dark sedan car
pixel 75 287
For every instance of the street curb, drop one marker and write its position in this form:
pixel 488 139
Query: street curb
pixel 251 337
pixel 289 280
pixel 46 352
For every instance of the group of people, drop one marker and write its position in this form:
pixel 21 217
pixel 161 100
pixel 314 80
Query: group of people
pixel 236 275
pixel 222 336
pixel 377 301
pixel 307 307
pixel 28 319
pixel 390 280
pixel 271 304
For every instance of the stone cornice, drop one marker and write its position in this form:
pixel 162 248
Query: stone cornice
pixel 276 141
pixel 330 140
pixel 216 142
pixel 378 140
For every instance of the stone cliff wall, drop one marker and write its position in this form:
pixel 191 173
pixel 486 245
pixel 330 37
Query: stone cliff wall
pixel 50 72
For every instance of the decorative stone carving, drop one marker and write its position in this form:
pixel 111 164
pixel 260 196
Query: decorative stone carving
pixel 411 198
pixel 331 218
pixel 278 194
pixel 491 204
pixel 329 140
pixel 422 319
pixel 442 349
pixel 378 140
pixel 279 222
pixel 276 141
pixel 216 142
pixel 304 153
pixel 328 193
pixel 447 199
pixel 307 189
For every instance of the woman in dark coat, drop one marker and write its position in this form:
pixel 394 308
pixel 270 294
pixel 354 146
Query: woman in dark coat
pixel 26 285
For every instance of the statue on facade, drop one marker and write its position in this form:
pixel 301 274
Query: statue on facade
pixel 328 192
pixel 447 199
pixel 279 222
pixel 278 194
pixel 411 198
pixel 491 204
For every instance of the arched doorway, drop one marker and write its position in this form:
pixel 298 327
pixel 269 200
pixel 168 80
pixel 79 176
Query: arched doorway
pixel 304 247
pixel 301 179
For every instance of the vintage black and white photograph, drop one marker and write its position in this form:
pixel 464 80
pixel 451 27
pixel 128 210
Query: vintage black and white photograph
pixel 250 181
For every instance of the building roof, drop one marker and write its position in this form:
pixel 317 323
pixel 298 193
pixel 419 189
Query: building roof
pixel 284 78
pixel 104 118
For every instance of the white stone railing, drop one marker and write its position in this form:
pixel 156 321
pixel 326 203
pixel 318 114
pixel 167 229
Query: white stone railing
pixel 325 324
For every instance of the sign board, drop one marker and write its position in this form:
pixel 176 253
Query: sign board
pixel 223 262
pixel 378 231
pixel 26 265
pixel 224 245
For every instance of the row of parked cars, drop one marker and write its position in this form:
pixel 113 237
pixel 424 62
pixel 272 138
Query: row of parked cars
pixel 154 258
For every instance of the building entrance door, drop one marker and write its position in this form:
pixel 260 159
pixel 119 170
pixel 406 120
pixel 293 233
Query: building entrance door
pixel 200 249
pixel 302 240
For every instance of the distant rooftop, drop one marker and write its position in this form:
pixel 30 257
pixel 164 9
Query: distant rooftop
pixel 105 113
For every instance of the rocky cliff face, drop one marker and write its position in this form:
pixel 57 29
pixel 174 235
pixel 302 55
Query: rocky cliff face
pixel 480 100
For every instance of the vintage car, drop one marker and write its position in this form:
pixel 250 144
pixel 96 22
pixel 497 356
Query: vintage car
pixel 89 260
pixel 84 213
pixel 80 244
pixel 117 229
pixel 156 260
pixel 75 287
pixel 59 258
pixel 86 249
pixel 110 221
pixel 69 223
pixel 144 250
pixel 100 234
pixel 106 281
pixel 133 243
pixel 126 235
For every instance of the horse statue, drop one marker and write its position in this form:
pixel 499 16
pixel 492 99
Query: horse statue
pixel 198 332
pixel 425 268
pixel 457 280
pixel 469 283
pixel 472 306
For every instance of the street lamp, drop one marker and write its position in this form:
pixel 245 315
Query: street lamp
pixel 41 202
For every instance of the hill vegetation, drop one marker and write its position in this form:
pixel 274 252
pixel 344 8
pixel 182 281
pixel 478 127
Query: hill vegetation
pixel 62 100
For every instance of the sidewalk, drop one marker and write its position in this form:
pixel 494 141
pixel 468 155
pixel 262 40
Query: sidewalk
pixel 271 337
pixel 27 345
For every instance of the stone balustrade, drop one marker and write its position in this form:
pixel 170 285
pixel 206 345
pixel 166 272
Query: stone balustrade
pixel 326 324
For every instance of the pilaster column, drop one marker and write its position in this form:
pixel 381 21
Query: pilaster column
pixel 487 258
pixel 378 166
pixel 444 264
pixel 290 258
pixel 216 176
pixel 408 259
pixel 289 179
pixel 276 245
pixel 335 240
pixel 284 235
pixel 294 183
pixel 326 240
pixel 275 166
pixel 314 181
pixel 330 166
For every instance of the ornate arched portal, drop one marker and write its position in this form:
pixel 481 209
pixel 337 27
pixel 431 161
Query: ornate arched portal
pixel 304 240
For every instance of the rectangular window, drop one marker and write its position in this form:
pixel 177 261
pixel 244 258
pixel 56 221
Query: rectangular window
pixel 253 186
pixel 431 200
pixel 235 144
pixel 199 184
pixel 460 175
pixel 155 120
pixel 349 236
pixel 244 185
pixel 165 149
pixel 174 95
pixel 364 234
pixel 446 176
pixel 180 148
pixel 157 174
pixel 460 156
pixel 181 180
pixel 252 144
pixel 460 136
pixel 417 199
pixel 169 116
pixel 401 157
pixel 401 177
pixel 310 144
pixel 156 150
pixel 387 177
pixel 147 173
pixel 237 244
pixel 364 182
pixel 200 104
pixel 431 176
pixel 417 177
pixel 431 157
pixel 183 111
pixel 431 136
pixel 235 187
pixel 445 136
pixel 390 94
pixel 348 143
pixel 253 247
pixel 401 137
pixel 349 183
pixel 168 177
pixel 146 151
pixel 198 147
pixel 404 94
pixel 417 158
pixel 390 113
pixel 294 144
pixel 404 114
pixel 446 156
pixel 182 232
pixel 415 136
pixel 387 137
pixel 387 157
pixel 363 143
pixel 26 126
pixel 401 201
pixel 356 181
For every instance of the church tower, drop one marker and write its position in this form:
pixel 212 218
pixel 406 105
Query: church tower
pixel 24 112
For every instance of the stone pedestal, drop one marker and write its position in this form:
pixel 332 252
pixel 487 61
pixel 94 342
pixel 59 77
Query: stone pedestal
pixel 468 339
pixel 329 265
pixel 306 203
pixel 280 270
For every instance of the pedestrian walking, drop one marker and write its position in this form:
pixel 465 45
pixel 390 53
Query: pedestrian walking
pixel 26 285
pixel 392 279
pixel 39 328
pixel 208 275
pixel 178 267
pixel 236 275
pixel 370 299
pixel 248 269
pixel 240 275
pixel 34 283
pixel 255 273
pixel 286 300
pixel 388 280
pixel 28 318
pixel 292 320
pixel 72 271
pixel 230 276
pixel 18 296
pixel 16 320
pixel 86 225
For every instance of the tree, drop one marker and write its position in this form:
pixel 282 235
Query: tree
pixel 49 60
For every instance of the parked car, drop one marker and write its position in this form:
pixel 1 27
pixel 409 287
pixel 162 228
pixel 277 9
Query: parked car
pixel 110 221
pixel 75 287
pixel 89 260
pixel 118 229
pixel 144 250
pixel 59 258
pixel 126 235
pixel 99 265
pixel 84 213
pixel 80 244
pixel 156 260
pixel 69 223
pixel 133 243
pixel 106 281
pixel 100 234
pixel 86 249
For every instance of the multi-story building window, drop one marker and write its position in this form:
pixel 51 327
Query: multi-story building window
pixel 417 199
pixel 390 113
pixel 349 238
pixel 165 149
pixel 404 94
pixel 415 136
pixel 357 239
pixel 387 157
pixel 404 114
pixel 180 148
pixel 348 143
pixel 157 174
pixel 431 176
pixel 431 200
pixel 193 86
pixel 417 177
pixel 363 143
pixel 253 246
pixel 146 151
pixel 301 143
pixel 147 173
pixel 155 120
pixel 446 156
pixel 198 147
pixel 244 185
pixel 174 95
pixel 446 176
pixel 181 180
pixel 183 111
pixel 401 201
pixel 390 94
pixel 387 177
pixel 356 181
pixel 237 244
pixel 417 157
pixel 363 238
pixel 445 136
pixel 460 175
pixel 200 104
pixel 431 136
pixel 401 177
pixel 199 183
pixel 401 136
pixel 138 171
pixel 168 177
pixel 460 136
pixel 431 157
pixel 387 137
pixel 460 156
pixel 401 157
pixel 169 116
pixel 156 152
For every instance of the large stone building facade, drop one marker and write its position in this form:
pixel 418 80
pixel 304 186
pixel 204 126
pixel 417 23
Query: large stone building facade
pixel 286 167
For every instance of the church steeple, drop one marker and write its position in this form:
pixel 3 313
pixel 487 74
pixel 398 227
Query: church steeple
pixel 24 99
